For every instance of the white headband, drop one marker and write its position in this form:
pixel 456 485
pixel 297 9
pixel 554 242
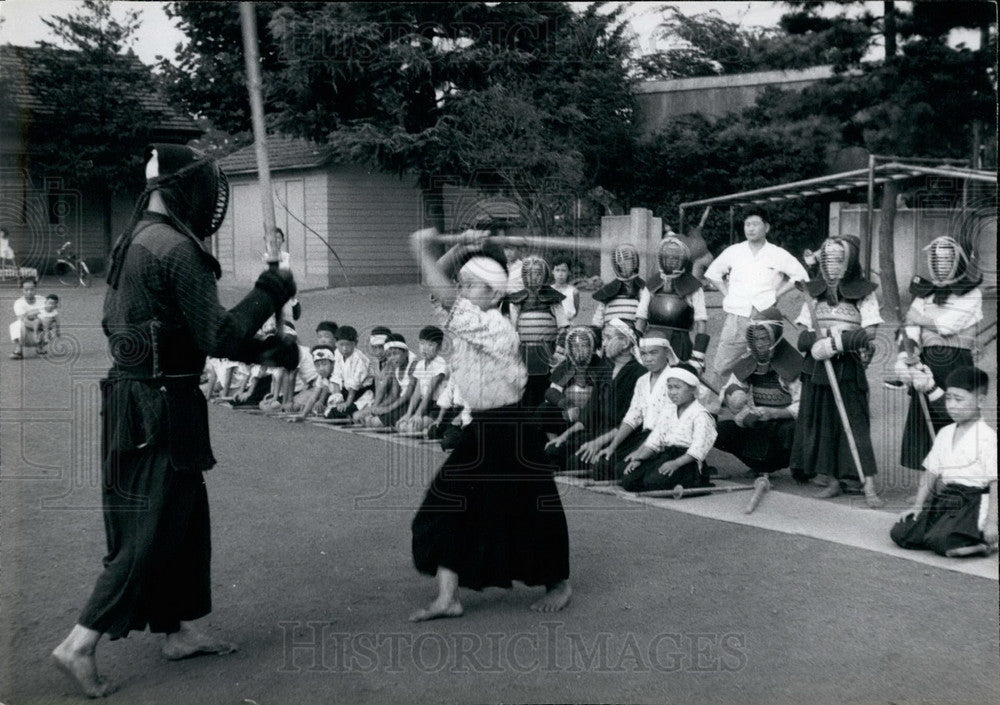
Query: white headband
pixel 322 354
pixel 683 375
pixel 397 345
pixel 487 270
pixel 654 341
pixel 623 328
pixel 376 340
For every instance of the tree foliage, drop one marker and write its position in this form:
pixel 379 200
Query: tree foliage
pixel 94 92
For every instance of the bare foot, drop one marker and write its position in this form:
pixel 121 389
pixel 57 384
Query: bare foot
pixel 555 598
pixel 81 668
pixel 190 642
pixel 831 490
pixel 437 610
pixel 820 481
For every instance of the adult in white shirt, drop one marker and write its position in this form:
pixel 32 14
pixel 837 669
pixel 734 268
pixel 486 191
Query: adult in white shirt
pixel 25 330
pixel 752 276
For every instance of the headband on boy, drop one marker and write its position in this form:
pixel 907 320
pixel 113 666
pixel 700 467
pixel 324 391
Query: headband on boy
pixel 656 338
pixel 397 345
pixel 322 354
pixel 377 340
pixel 487 270
pixel 683 372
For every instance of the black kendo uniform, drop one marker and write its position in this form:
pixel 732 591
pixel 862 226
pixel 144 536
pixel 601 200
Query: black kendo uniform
pixel 572 381
pixel 537 326
pixel 769 375
pixel 162 317
pixel 620 298
pixel 820 445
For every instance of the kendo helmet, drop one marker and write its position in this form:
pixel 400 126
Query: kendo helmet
pixel 946 260
pixel 838 259
pixel 193 187
pixel 581 344
pixel 534 272
pixel 625 262
pixel 763 334
pixel 673 256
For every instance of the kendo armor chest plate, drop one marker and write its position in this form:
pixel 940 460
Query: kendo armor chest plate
pixel 844 316
pixel 766 390
pixel 577 395
pixel 670 310
pixel 538 326
pixel 621 307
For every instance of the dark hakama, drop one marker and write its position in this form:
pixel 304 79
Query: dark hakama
pixel 612 468
pixel 764 448
pixel 917 441
pixel 820 446
pixel 647 476
pixel 492 513
pixel 950 519
pixel 157 568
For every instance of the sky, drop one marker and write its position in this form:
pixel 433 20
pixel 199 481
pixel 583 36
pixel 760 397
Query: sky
pixel 158 36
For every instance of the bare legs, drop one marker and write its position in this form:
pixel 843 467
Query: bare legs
pixel 446 603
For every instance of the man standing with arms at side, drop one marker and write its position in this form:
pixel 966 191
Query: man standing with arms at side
pixel 752 276
pixel 162 317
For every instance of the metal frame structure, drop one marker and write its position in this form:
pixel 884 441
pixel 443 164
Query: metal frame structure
pixel 892 168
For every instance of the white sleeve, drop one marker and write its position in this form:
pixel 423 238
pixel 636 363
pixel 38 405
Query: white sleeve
pixel 870 314
pixel 560 314
pixel 959 313
pixel 933 461
pixel 642 310
pixel 720 266
pixel 791 267
pixel 804 318
pixel 633 417
pixel 598 319
pixel 703 435
pixel 987 443
pixel 20 307
pixel 697 301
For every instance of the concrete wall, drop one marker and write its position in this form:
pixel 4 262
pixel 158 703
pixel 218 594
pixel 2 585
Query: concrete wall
pixel 639 228
pixel 713 96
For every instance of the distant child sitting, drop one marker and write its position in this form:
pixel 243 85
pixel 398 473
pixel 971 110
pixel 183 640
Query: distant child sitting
pixel 606 453
pixel 674 454
pixel 391 401
pixel 454 415
pixel 48 319
pixel 350 374
pixel 429 375
pixel 949 515
pixel 313 400
pixel 560 282
pixel 326 333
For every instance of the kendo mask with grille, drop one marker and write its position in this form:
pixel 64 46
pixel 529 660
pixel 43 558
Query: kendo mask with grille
pixel 625 262
pixel 534 272
pixel 581 344
pixel 838 262
pixel 674 256
pixel 763 336
pixel 193 187
pixel 946 260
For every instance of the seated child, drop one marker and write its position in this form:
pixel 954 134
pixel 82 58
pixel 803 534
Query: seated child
pixel 220 376
pixel 26 329
pixel 48 319
pixel 674 453
pixel 572 380
pixel 454 415
pixel 611 397
pixel 429 375
pixel 326 333
pixel 350 375
pixel 312 401
pixel 649 401
pixel 392 400
pixel 955 512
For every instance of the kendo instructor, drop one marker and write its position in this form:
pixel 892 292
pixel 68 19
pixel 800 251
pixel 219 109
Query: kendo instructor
pixel 162 317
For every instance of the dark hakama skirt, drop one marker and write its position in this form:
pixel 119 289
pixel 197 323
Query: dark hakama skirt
pixel 917 440
pixel 492 513
pixel 156 572
pixel 647 476
pixel 613 468
pixel 950 519
pixel 820 446
pixel 766 447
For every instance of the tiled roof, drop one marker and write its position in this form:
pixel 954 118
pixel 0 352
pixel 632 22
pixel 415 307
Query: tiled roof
pixel 282 153
pixel 17 65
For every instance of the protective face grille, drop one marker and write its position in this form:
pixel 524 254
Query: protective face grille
pixel 221 200
pixel 625 262
pixel 673 255
pixel 944 257
pixel 761 341
pixel 534 272
pixel 833 261
pixel 581 343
